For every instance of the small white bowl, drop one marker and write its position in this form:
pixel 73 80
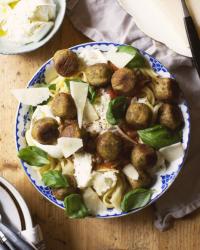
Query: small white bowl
pixel 12 49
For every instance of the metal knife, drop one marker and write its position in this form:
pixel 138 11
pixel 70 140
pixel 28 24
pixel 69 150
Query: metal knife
pixel 193 37
pixel 5 243
pixel 15 239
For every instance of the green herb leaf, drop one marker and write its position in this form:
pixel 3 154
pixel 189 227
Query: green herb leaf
pixel 52 86
pixel 91 94
pixel 159 136
pixel 67 84
pixel 116 110
pixel 74 206
pixel 55 179
pixel 34 156
pixel 135 199
pixel 41 85
pixel 138 61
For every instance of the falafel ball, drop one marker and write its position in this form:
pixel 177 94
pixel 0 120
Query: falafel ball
pixel 145 180
pixel 66 62
pixel 109 146
pixel 98 75
pixel 143 157
pixel 71 130
pixel 166 89
pixel 170 116
pixel 123 81
pixel 63 106
pixel 138 115
pixel 45 131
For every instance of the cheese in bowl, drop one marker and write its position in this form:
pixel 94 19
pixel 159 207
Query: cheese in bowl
pixel 26 21
pixel 103 130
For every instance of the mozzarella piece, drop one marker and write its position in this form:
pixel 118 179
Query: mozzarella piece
pixel 31 96
pixel 79 92
pixel 90 114
pixel 52 150
pixel 172 152
pixel 83 169
pixel 43 12
pixel 119 59
pixel 29 21
pixel 102 182
pixel 93 202
pixel 92 56
pixel 130 172
pixel 69 145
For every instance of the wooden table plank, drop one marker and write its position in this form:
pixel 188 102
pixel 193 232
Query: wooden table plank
pixel 135 232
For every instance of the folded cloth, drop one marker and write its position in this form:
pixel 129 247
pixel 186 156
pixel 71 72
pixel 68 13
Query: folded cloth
pixel 105 20
pixel 34 237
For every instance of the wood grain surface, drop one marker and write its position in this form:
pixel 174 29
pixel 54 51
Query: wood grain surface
pixel 134 232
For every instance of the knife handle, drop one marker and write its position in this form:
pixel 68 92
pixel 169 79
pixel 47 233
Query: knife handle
pixel 194 41
pixel 3 247
pixel 17 241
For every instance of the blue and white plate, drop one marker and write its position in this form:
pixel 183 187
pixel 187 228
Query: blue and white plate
pixel 165 177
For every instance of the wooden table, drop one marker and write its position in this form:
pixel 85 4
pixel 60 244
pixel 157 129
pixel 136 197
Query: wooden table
pixel 135 232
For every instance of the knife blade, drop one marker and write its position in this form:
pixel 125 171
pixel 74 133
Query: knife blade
pixel 193 36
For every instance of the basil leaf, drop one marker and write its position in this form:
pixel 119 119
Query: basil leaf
pixel 91 94
pixel 135 199
pixel 159 136
pixel 41 85
pixel 52 86
pixel 34 156
pixel 31 110
pixel 116 110
pixel 138 60
pixel 45 85
pixel 55 179
pixel 74 206
pixel 67 84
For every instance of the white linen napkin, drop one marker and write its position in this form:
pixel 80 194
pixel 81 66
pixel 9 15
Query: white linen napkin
pixel 34 237
pixel 105 20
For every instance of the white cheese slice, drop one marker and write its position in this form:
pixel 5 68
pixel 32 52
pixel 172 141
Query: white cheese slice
pixel 79 92
pixel 103 181
pixel 90 114
pixel 130 172
pixel 52 150
pixel 69 145
pixel 43 12
pixel 93 202
pixel 92 56
pixel 31 96
pixel 119 59
pixel 172 152
pixel 50 73
pixel 83 169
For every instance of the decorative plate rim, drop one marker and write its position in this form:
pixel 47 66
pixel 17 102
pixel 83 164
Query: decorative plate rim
pixel 175 174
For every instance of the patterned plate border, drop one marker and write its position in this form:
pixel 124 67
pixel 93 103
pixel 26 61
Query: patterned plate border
pixel 23 119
